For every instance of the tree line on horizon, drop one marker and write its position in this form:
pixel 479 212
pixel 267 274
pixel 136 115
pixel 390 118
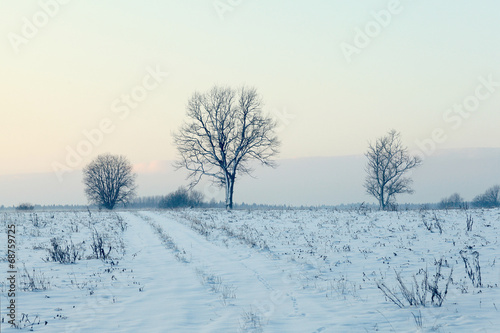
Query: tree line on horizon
pixel 489 199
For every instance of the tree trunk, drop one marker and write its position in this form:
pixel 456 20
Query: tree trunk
pixel 229 191
pixel 381 199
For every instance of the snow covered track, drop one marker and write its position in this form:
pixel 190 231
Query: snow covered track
pixel 153 303
pixel 261 288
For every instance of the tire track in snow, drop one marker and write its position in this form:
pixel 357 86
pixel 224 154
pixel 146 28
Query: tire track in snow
pixel 259 281
pixel 183 237
pixel 166 298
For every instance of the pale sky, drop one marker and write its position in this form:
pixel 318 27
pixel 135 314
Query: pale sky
pixel 67 66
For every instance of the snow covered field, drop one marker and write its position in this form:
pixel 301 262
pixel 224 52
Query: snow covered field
pixel 254 271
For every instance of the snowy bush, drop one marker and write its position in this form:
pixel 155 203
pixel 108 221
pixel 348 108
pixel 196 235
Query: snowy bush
pixel 64 253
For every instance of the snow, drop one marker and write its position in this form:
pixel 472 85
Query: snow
pixel 253 271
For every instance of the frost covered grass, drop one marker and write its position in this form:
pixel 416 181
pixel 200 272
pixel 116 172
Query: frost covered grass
pixel 416 259
pixel 255 271
pixel 50 247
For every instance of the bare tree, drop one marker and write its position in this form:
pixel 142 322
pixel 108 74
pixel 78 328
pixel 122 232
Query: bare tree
pixel 388 161
pixel 109 180
pixel 454 201
pixel 489 199
pixel 225 131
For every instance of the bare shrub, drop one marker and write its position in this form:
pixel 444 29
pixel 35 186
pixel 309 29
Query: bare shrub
pixel 63 252
pixel 227 292
pixel 343 287
pixel 25 206
pixel 251 321
pixel 433 223
pixel 100 250
pixel 36 281
pixel 121 223
pixel 416 294
pixel 472 266
pixel 469 222
pixel 418 319
pixel 437 223
pixel 181 198
pixel 37 223
pixel 26 322
pixel 363 209
pixel 437 296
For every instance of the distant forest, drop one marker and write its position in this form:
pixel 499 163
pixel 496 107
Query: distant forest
pixel 184 198
pixel 153 202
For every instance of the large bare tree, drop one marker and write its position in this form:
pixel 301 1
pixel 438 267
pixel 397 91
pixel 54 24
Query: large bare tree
pixel 225 131
pixel 388 162
pixel 109 180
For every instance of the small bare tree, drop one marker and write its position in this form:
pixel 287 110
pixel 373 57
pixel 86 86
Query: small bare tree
pixel 226 130
pixel 455 201
pixel 109 180
pixel 388 161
